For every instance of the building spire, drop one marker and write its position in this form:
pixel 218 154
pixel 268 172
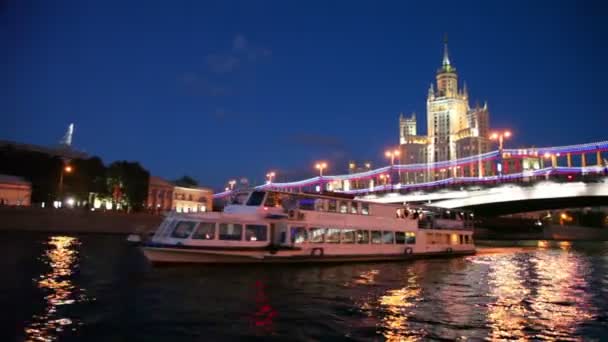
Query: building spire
pixel 446 57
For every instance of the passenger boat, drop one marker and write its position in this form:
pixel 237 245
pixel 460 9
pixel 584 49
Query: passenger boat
pixel 280 227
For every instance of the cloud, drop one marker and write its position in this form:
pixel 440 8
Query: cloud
pixel 201 86
pixel 239 43
pixel 222 63
pixel 241 51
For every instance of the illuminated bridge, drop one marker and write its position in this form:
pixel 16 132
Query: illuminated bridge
pixel 528 177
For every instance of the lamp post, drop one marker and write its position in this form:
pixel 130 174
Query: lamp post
pixel 500 136
pixel 66 169
pixel 392 154
pixel 231 184
pixel 270 176
pixel 321 166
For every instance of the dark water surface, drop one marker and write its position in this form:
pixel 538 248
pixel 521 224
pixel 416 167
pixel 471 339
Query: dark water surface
pixel 98 288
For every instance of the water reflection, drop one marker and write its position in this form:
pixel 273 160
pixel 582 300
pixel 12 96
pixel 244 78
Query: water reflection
pixel 397 304
pixel 264 315
pixel 61 256
pixel 542 295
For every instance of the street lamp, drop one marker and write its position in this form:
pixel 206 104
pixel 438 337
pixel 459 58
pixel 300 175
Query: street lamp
pixel 392 154
pixel 500 136
pixel 270 176
pixel 321 166
pixel 65 169
pixel 232 183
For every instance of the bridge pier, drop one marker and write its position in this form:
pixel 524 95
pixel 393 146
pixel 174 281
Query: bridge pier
pixel 583 160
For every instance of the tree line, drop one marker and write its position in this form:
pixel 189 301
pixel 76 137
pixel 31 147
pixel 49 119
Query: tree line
pixel 120 182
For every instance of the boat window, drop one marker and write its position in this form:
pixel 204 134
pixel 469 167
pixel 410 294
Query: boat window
pixel 306 203
pixel 466 239
pixel 317 235
pixel 461 239
pixel 231 231
pixel 273 200
pixel 239 198
pixel 363 236
pixel 354 208
pixel 332 235
pixel 343 207
pixel 256 232
pixel 205 231
pixel 319 204
pixel 332 206
pixel 298 235
pixel 410 238
pixel 400 238
pixel 256 198
pixel 348 236
pixel 388 237
pixel 168 228
pixel 364 208
pixel 183 229
pixel 376 236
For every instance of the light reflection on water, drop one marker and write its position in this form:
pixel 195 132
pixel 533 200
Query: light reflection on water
pixel 530 295
pixel 61 256
pixel 556 292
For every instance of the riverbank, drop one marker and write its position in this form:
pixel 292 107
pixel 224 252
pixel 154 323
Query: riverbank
pixel 76 221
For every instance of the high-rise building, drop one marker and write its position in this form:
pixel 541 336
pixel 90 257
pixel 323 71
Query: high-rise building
pixel 455 130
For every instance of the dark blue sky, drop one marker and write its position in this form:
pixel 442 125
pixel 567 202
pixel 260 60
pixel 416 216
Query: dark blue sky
pixel 225 89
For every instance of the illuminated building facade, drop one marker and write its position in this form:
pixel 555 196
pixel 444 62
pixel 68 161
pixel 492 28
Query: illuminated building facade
pixel 166 196
pixel 455 130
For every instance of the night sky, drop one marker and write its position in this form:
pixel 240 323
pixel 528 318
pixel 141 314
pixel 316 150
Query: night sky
pixel 227 89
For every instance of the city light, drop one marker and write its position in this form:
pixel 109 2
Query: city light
pixel 500 136
pixel 270 176
pixel 392 154
pixel 321 166
pixel 68 169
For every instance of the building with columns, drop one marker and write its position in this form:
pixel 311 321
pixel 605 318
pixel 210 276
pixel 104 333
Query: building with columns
pixel 455 130
pixel 166 196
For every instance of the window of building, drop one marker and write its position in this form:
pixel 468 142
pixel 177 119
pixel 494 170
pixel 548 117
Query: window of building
pixel 388 237
pixel 205 231
pixel 231 231
pixel 348 236
pixel 183 229
pixel 410 238
pixel 362 236
pixel 354 208
pixel 299 235
pixel 332 235
pixel 317 235
pixel 400 238
pixel 256 232
pixel 376 236
pixel 343 207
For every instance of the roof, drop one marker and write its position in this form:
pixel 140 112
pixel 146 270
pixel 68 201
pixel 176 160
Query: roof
pixel 9 179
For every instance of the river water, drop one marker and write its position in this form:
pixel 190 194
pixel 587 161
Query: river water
pixel 98 288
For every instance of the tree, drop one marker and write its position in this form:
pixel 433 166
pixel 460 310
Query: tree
pixel 186 182
pixel 127 182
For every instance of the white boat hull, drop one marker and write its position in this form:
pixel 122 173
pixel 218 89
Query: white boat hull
pixel 163 255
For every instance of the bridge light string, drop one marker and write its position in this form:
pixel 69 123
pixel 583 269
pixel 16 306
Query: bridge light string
pixel 536 152
pixel 447 181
